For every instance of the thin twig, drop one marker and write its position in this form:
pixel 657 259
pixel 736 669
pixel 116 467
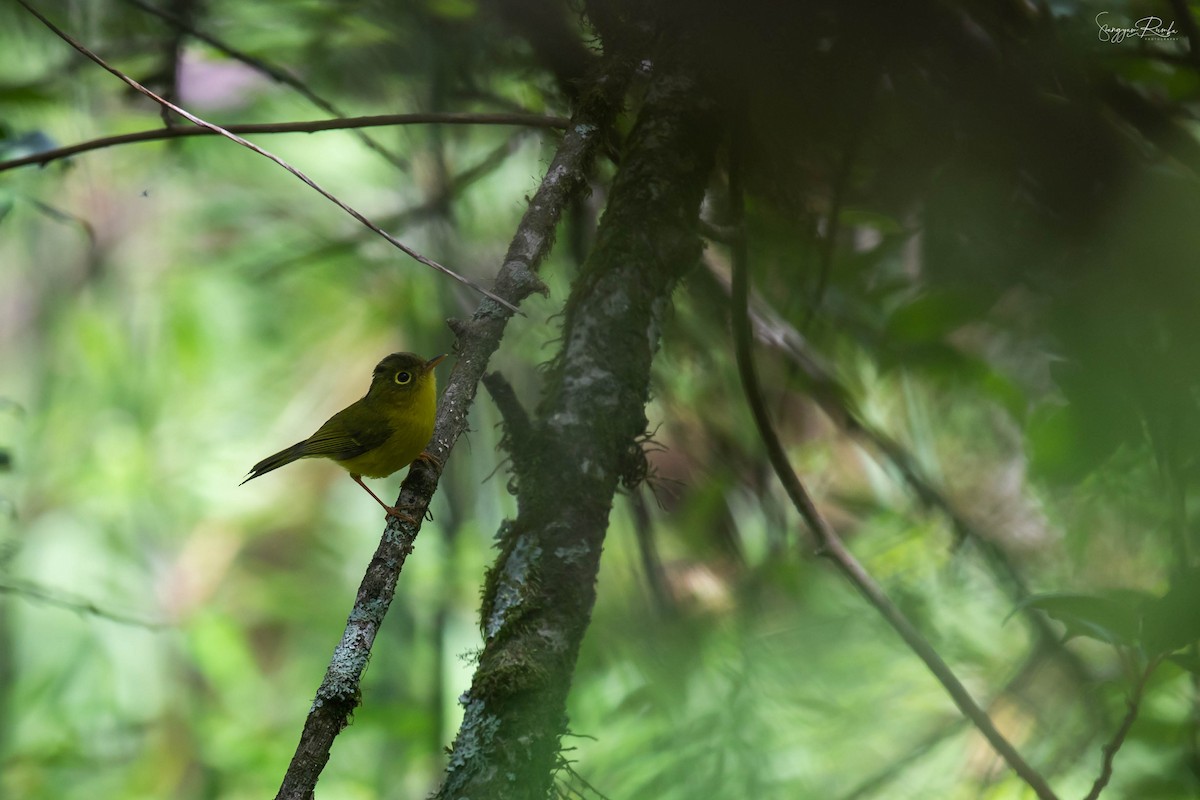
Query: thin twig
pixel 919 750
pixel 873 785
pixel 652 566
pixel 829 543
pixel 570 770
pixel 518 430
pixel 1110 749
pixel 28 591
pixel 408 216
pixel 833 224
pixel 310 126
pixel 413 254
pixel 274 73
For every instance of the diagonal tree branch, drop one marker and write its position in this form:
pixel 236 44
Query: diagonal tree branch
pixel 478 338
pixel 771 330
pixel 408 251
pixel 454 187
pixel 828 541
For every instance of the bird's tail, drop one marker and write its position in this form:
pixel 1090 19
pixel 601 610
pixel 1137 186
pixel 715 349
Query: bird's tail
pixel 285 456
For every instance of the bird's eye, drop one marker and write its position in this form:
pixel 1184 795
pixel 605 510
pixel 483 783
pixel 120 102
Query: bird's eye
pixel 403 378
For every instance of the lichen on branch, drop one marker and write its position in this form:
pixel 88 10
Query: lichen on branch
pixel 539 595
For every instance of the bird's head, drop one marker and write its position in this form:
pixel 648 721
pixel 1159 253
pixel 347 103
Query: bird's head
pixel 403 374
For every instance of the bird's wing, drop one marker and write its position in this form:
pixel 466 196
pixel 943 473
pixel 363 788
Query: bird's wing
pixel 346 436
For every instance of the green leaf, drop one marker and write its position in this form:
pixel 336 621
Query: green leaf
pixel 1173 621
pixel 1005 391
pixel 1069 442
pixel 25 94
pixel 1189 661
pixel 1051 435
pixel 1114 617
pixel 453 9
pixel 931 316
pixel 1066 445
pixel 1160 625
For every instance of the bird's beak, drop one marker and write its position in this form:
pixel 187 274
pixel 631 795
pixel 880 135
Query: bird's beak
pixel 433 362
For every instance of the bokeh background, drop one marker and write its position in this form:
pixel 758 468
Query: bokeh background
pixel 172 312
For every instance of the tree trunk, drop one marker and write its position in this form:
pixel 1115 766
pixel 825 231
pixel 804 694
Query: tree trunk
pixel 569 460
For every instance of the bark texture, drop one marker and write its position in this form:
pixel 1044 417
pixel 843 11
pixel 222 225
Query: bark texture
pixel 582 443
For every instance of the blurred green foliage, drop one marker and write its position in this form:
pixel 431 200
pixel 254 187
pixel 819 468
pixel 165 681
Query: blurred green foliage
pixel 171 312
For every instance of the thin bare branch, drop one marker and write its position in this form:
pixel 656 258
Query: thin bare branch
pixel 271 71
pixel 518 430
pixel 833 223
pixel 413 254
pixel 773 331
pixel 1114 745
pixel 457 184
pixel 829 543
pixel 573 773
pixel 310 126
pixel 40 594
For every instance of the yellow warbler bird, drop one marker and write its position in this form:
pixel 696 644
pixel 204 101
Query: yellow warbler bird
pixel 379 434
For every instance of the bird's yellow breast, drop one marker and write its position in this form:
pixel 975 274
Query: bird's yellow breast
pixel 411 421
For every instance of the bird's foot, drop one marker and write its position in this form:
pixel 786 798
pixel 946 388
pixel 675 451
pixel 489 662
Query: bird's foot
pixel 393 511
pixel 429 458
